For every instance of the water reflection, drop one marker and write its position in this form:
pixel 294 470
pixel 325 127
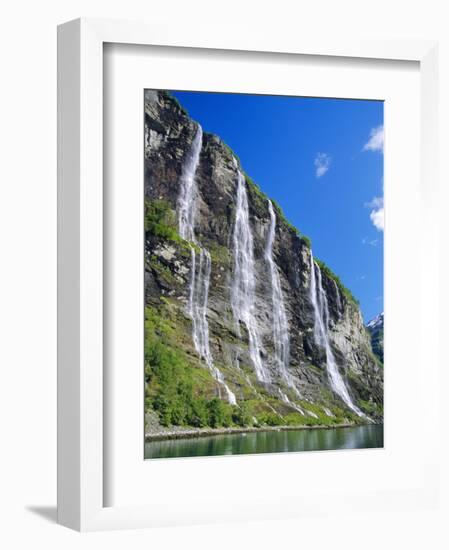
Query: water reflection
pixel 360 437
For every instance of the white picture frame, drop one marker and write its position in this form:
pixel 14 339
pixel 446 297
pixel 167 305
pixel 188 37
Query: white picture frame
pixel 81 475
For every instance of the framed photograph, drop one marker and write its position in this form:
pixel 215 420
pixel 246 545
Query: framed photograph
pixel 235 217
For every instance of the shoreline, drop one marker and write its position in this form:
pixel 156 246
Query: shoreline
pixel 206 432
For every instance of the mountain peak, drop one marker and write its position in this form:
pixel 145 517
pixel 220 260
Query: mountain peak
pixel 376 322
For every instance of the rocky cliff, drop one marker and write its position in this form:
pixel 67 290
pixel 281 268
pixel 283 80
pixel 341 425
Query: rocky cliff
pixel 242 324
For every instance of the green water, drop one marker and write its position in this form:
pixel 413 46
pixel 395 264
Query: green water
pixel 359 437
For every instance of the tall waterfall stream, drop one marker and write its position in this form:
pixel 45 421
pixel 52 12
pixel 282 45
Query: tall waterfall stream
pixel 243 285
pixel 321 334
pixel 200 274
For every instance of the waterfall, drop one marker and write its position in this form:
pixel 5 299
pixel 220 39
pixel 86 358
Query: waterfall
pixel 337 294
pixel 281 338
pixel 243 285
pixel 200 277
pixel 188 191
pixel 321 334
pixel 286 400
pixel 198 312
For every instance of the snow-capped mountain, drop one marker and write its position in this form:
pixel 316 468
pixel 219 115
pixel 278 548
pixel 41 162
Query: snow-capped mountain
pixel 376 330
pixel 377 322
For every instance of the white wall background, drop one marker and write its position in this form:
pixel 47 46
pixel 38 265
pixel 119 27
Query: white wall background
pixel 28 267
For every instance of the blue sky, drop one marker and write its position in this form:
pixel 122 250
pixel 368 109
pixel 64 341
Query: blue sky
pixel 322 161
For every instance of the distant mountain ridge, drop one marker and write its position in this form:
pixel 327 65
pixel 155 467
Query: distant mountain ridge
pixel 376 330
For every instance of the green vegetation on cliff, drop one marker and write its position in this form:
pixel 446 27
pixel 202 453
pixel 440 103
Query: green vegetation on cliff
pixel 182 391
pixel 343 289
pixel 160 220
pixel 167 95
pixel 261 199
pixel 179 389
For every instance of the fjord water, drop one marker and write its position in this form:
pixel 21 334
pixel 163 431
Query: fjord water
pixel 200 274
pixel 357 437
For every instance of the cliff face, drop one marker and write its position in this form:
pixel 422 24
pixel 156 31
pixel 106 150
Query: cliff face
pixel 305 389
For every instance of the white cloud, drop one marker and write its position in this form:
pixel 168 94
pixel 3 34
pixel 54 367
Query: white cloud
pixel 322 164
pixel 377 217
pixel 371 242
pixel 376 202
pixel 376 140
